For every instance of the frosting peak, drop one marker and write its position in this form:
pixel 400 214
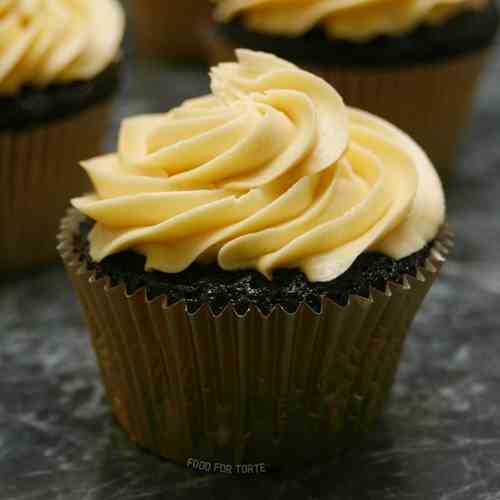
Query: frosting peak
pixel 271 170
pixel 56 41
pixel 356 20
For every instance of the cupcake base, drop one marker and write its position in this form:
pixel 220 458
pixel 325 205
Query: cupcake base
pixel 39 173
pixel 280 389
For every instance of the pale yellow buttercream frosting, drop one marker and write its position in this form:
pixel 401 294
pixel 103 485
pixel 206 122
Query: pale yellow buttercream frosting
pixel 270 171
pixel 57 41
pixel 357 20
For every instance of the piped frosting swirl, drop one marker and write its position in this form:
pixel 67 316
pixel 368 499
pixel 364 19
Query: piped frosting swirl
pixel 355 20
pixel 270 171
pixel 56 41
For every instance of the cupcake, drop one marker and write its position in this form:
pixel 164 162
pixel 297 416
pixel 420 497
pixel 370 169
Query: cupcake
pixel 249 265
pixel 58 71
pixel 172 28
pixel 415 63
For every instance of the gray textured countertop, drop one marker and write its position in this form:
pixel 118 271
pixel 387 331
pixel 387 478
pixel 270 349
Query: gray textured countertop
pixel 439 438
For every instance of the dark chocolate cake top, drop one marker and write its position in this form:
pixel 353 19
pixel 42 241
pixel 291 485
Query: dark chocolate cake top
pixel 460 35
pixel 208 284
pixel 33 107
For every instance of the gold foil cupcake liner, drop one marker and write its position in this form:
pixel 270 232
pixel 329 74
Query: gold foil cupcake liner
pixel 279 389
pixel 172 29
pixel 39 173
pixel 430 101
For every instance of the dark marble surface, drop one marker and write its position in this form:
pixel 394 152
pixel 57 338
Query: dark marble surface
pixel 439 438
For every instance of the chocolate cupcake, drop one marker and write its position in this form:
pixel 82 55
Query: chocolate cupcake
pixel 249 266
pixel 59 69
pixel 414 63
pixel 172 28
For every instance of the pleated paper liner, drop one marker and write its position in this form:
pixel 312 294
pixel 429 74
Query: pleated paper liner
pixel 171 29
pixel 431 102
pixel 282 389
pixel 39 173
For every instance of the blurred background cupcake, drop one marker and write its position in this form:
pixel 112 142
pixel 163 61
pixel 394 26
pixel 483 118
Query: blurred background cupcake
pixel 414 62
pixel 171 28
pixel 59 67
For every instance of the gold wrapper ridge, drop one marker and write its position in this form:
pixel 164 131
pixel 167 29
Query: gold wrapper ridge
pixel 280 389
pixel 39 173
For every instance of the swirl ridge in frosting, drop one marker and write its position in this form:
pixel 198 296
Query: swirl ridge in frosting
pixel 270 171
pixel 355 20
pixel 57 41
